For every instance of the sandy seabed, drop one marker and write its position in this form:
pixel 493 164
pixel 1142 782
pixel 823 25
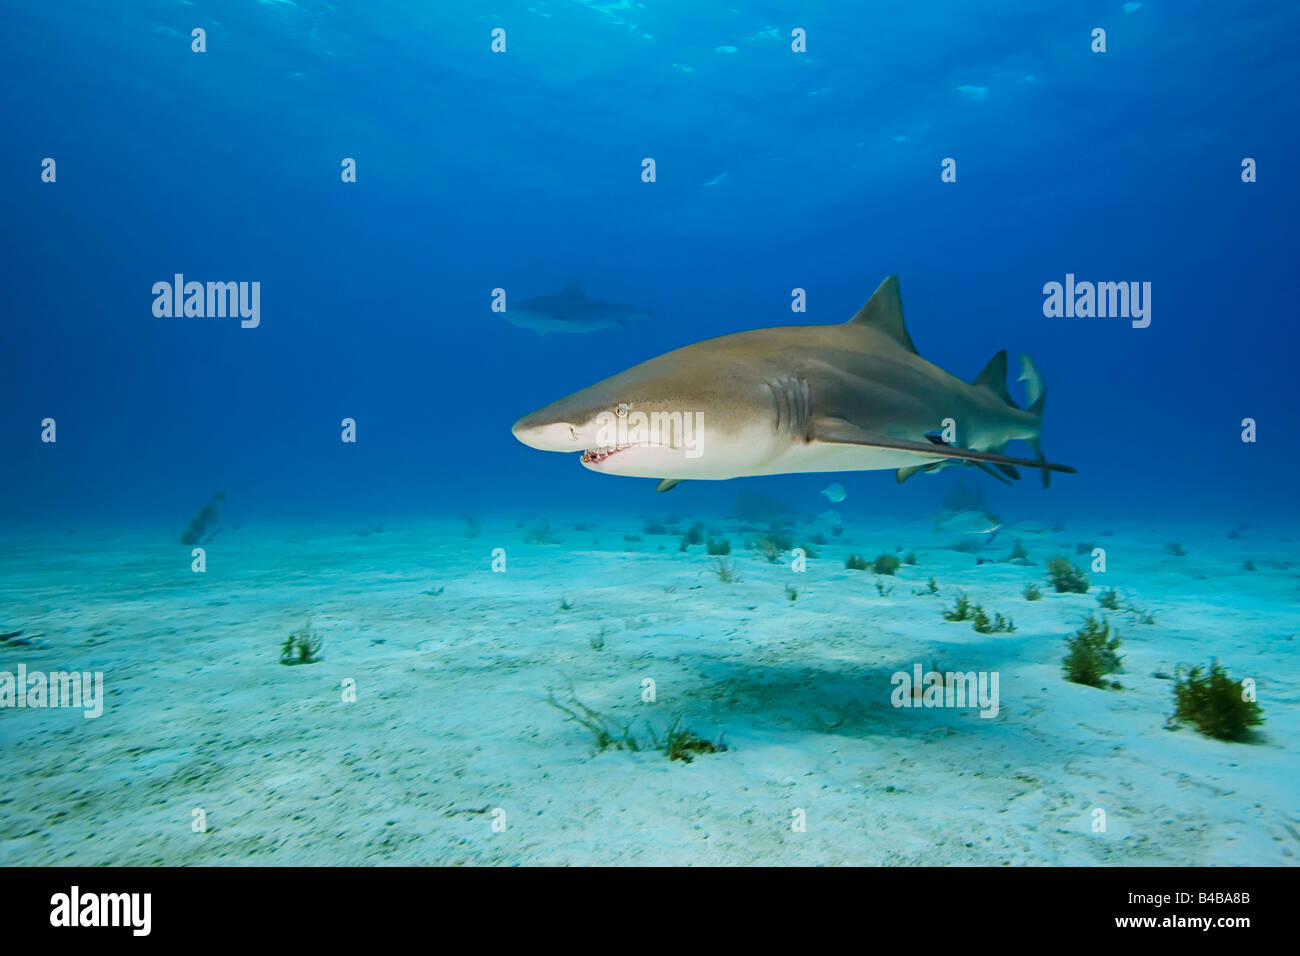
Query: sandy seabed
pixel 450 735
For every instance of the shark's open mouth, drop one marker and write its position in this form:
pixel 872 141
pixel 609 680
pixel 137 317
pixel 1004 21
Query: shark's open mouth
pixel 595 456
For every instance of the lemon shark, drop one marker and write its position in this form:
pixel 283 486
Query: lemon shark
pixel 849 397
pixel 570 310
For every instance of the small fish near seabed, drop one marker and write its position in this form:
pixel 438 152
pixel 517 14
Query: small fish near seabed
pixel 856 396
pixel 834 492
pixel 570 310
pixel 1032 530
pixel 966 522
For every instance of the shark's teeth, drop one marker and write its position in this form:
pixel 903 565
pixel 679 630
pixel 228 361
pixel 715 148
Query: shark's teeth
pixel 595 456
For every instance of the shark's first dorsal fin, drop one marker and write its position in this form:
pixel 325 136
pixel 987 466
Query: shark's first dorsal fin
pixel 994 377
pixel 884 312
pixel 572 288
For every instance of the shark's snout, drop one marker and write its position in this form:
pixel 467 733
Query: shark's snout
pixel 547 434
pixel 600 451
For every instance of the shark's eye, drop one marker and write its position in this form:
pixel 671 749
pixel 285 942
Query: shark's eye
pixel 621 411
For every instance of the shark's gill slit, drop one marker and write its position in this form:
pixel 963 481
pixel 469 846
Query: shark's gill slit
pixel 792 398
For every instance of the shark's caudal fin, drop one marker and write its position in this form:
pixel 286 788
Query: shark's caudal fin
pixel 1036 395
pixel 1033 380
pixel 994 378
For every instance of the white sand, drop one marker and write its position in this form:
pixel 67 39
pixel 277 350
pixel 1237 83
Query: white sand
pixel 450 720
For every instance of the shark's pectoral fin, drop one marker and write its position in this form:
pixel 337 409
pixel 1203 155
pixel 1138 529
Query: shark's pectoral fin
pixel 667 484
pixel 929 467
pixel 840 432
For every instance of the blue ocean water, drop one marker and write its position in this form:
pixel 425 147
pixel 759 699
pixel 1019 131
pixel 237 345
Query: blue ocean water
pixel 796 146
pixel 522 170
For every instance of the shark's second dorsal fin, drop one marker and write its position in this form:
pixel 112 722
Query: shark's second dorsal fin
pixel 994 377
pixel 884 312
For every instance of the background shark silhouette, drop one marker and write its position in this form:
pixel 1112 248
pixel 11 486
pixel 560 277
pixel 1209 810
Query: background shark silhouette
pixel 570 310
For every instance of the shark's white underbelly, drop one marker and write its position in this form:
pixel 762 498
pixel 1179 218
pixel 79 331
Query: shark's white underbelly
pixel 795 459
pixel 820 456
pixel 757 452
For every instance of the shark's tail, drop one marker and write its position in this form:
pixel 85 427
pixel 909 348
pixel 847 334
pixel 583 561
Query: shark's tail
pixel 994 378
pixel 1035 393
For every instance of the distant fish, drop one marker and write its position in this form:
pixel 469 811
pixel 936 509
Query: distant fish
pixel 569 310
pixel 831 517
pixel 1032 529
pixel 834 492
pixel 966 522
pixel 715 180
pixel 1017 556
pixel 977 94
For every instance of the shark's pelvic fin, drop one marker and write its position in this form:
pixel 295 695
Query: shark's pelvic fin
pixel 838 431
pixel 1006 469
pixel 884 312
pixel 667 484
pixel 902 474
